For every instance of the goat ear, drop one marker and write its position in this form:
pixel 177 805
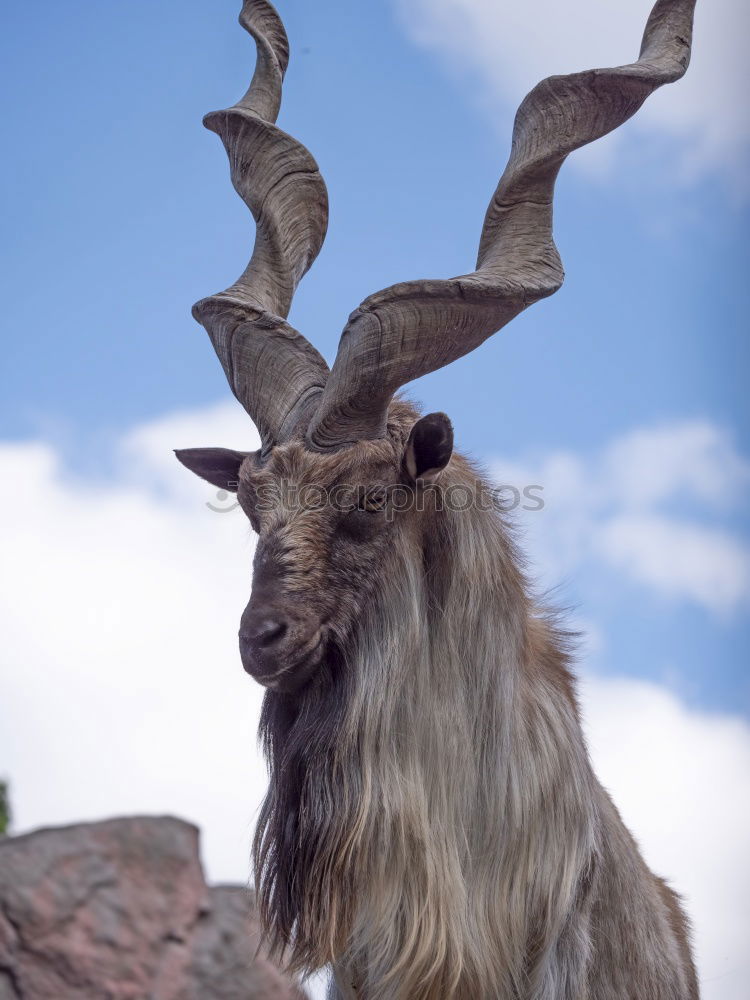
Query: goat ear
pixel 429 447
pixel 218 466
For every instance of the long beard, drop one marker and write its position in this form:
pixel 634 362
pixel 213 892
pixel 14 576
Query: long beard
pixel 402 827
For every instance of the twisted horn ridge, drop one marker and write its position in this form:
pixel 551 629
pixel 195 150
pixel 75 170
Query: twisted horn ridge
pixel 416 327
pixel 272 370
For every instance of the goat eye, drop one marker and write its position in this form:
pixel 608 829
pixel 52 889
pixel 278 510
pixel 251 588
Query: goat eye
pixel 374 501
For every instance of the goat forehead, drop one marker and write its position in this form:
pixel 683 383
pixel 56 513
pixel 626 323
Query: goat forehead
pixel 360 463
pixel 298 543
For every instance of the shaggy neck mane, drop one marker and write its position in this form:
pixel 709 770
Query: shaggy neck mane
pixel 430 825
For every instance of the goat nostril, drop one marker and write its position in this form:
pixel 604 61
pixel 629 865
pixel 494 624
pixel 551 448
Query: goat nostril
pixel 269 631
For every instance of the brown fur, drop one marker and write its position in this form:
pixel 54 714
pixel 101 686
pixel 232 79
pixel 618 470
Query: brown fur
pixel 433 828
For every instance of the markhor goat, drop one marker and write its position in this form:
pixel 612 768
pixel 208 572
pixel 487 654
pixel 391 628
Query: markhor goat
pixel 433 829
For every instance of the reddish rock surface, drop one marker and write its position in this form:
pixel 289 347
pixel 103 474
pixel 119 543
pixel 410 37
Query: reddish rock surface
pixel 120 910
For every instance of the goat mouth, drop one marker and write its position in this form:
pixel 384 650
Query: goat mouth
pixel 291 671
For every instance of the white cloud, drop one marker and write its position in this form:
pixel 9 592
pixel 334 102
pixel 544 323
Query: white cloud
pixel 706 566
pixel 680 779
pixel 122 686
pixel 623 510
pixel 123 691
pixel 694 458
pixel 506 48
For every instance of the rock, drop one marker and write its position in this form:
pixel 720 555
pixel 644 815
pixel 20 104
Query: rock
pixel 120 910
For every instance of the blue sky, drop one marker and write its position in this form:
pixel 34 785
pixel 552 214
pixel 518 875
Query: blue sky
pixel 625 394
pixel 120 215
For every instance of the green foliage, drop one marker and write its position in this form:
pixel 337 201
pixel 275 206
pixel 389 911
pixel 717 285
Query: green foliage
pixel 4 808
